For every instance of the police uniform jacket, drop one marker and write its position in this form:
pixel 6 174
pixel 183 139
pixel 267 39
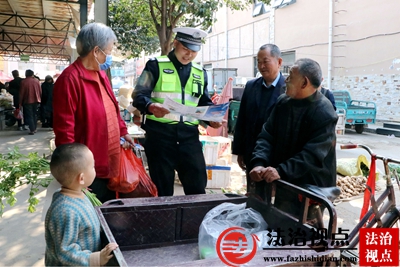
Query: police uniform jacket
pixel 142 100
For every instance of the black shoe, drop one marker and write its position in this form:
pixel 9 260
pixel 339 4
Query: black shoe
pixel 31 133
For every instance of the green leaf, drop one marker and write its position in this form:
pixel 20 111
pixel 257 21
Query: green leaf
pixel 92 197
pixel 11 200
pixel 1 208
pixel 18 170
pixel 31 208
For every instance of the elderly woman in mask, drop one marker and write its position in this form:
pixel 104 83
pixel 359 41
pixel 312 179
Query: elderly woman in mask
pixel 85 109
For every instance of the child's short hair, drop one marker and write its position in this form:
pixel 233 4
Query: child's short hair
pixel 67 161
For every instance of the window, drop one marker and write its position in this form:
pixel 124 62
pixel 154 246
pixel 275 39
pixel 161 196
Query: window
pixel 255 66
pixel 259 8
pixel 207 66
pixel 282 3
pixel 60 68
pixel 288 59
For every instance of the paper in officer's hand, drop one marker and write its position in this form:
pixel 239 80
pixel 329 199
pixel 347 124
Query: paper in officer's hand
pixel 206 113
pixel 172 106
pixel 216 112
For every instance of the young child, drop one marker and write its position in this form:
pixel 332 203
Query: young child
pixel 72 228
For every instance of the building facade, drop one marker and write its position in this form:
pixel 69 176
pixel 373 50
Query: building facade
pixel 356 43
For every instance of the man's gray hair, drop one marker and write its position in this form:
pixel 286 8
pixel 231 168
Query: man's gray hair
pixel 273 49
pixel 92 35
pixel 311 69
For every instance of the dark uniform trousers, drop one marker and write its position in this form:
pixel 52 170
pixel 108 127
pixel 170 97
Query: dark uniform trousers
pixel 171 147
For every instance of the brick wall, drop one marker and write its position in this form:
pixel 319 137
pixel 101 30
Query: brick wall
pixel 382 89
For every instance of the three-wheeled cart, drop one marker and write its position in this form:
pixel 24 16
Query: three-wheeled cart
pixel 164 230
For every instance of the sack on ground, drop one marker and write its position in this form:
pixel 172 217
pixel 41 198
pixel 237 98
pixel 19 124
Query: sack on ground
pixel 223 217
pixel 352 166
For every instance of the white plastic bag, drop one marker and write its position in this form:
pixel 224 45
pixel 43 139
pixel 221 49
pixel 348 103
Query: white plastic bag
pixel 223 217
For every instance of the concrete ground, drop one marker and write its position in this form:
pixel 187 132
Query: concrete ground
pixel 22 233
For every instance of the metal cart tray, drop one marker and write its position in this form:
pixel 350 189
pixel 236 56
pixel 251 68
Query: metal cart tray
pixel 164 231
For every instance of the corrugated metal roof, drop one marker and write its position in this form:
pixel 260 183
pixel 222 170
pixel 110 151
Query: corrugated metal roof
pixel 38 28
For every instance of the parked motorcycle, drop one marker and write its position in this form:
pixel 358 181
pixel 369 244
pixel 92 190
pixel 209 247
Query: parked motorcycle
pixel 9 117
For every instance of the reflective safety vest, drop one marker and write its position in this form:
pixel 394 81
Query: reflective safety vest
pixel 169 84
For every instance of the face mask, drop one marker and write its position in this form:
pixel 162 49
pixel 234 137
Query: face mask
pixel 107 63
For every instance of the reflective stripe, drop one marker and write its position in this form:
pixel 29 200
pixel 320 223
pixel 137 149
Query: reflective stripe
pixel 175 96
pixel 174 118
pixel 164 95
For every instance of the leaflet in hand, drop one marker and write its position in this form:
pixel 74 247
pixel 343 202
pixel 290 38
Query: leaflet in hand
pixel 205 113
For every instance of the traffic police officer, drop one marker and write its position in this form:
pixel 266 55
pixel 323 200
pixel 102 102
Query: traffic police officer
pixel 172 141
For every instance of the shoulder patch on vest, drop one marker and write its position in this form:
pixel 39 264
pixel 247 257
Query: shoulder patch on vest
pixel 197 66
pixel 168 71
pixel 163 59
pixel 196 76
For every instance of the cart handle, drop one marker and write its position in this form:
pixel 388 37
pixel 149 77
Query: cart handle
pixel 348 146
pixel 351 146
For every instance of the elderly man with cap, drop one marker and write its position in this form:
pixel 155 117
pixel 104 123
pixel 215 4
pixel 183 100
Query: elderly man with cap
pixel 172 141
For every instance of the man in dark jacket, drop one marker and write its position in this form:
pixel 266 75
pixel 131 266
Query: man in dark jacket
pixel 297 143
pixel 258 99
pixel 47 102
pixel 30 97
pixel 14 88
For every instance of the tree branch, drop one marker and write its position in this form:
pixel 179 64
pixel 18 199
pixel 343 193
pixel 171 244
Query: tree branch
pixel 153 16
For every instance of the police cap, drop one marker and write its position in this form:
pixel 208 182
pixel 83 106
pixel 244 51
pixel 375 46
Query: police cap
pixel 190 37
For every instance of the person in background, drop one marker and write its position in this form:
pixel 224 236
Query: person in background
pixel 30 97
pixel 14 89
pixel 47 102
pixel 172 141
pixel 259 97
pixel 328 94
pixel 72 228
pixel 298 142
pixel 85 109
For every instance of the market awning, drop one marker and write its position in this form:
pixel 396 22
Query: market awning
pixel 38 30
